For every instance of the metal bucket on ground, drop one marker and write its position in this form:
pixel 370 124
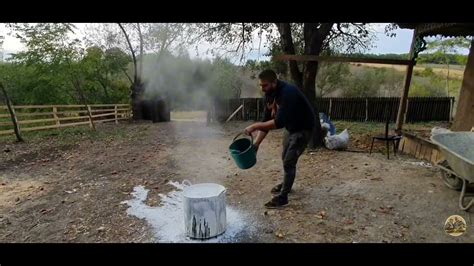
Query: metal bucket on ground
pixel 204 210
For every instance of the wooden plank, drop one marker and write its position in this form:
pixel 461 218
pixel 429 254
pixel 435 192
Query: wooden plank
pixel 24 122
pixel 73 118
pixel 7 132
pixel 286 57
pixel 55 126
pixel 401 145
pixel 101 115
pixel 427 153
pixel 434 154
pixel 235 112
pixel 102 110
pixel 111 104
pixel 35 114
pixel 105 120
pixel 109 110
pixel 60 106
pixel 9 123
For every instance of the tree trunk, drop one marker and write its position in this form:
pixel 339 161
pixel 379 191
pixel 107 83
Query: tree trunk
pixel 288 47
pixel 137 101
pixel 16 128
pixel 309 89
pixel 137 86
pixel 464 119
pixel 79 90
pixel 314 38
pixel 140 71
pixel 106 93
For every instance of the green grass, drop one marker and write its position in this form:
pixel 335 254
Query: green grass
pixel 375 127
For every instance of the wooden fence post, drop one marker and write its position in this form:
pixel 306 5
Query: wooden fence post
pixel 90 115
pixel 243 109
pixel 366 109
pixel 406 112
pixel 258 109
pixel 116 114
pixel 55 114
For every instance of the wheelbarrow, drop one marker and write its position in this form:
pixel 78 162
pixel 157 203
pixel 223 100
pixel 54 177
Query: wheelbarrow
pixel 458 169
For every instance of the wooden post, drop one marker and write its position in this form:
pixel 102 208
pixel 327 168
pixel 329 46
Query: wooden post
pixel 405 114
pixel 258 109
pixel 403 100
pixel 451 105
pixel 464 117
pixel 55 114
pixel 366 109
pixel 89 112
pixel 243 109
pixel 233 114
pixel 116 114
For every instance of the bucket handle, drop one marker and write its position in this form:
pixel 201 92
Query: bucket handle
pixel 251 137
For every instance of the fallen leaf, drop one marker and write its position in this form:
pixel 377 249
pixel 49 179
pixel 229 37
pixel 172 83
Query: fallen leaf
pixel 376 179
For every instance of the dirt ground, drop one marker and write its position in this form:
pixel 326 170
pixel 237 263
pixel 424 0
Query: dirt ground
pixel 70 189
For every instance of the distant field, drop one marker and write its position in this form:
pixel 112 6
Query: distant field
pixel 455 71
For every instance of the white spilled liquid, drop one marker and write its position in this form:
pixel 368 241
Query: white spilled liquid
pixel 167 220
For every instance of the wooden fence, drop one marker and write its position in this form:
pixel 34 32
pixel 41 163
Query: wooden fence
pixel 39 117
pixel 376 109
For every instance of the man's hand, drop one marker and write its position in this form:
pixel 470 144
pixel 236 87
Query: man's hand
pixel 248 130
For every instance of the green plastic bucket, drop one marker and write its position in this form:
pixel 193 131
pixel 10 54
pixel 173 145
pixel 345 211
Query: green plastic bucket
pixel 243 152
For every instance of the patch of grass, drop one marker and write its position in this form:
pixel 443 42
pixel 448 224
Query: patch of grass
pixel 377 128
pixel 358 127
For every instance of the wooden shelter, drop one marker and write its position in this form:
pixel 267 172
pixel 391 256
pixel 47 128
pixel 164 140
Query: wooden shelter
pixel 464 119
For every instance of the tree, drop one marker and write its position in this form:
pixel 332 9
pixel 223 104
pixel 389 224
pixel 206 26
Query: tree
pixel 332 76
pixel 442 49
pixel 295 38
pixel 152 38
pixel 11 110
pixel 50 49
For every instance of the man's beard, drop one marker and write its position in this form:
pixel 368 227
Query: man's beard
pixel 270 93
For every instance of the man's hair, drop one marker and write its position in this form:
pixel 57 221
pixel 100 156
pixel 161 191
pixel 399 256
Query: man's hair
pixel 268 75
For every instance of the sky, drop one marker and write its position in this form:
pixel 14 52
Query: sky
pixel 383 44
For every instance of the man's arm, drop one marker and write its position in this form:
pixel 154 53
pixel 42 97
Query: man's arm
pixel 260 136
pixel 262 126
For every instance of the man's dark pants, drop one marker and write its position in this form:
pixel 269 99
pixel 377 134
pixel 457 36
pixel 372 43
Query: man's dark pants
pixel 294 145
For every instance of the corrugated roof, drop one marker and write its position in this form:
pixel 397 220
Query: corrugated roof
pixel 445 29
